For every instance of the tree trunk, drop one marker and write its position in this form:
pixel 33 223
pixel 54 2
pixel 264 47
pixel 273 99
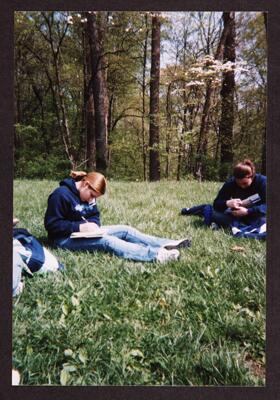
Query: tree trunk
pixel 110 126
pixel 102 30
pixel 263 167
pixel 90 134
pixel 83 135
pixel 227 95
pixel 90 150
pixel 99 92
pixel 204 126
pixel 181 144
pixel 154 101
pixel 17 100
pixel 168 130
pixel 143 117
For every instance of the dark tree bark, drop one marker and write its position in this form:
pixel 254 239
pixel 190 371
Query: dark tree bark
pixel 154 101
pixel 227 95
pixel 143 89
pixel 263 167
pixel 88 114
pixel 99 91
pixel 204 126
pixel 181 143
pixel 17 100
pixel 90 150
pixel 168 131
pixel 83 135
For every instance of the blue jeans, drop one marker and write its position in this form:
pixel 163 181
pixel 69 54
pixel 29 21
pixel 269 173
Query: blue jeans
pixel 222 219
pixel 121 240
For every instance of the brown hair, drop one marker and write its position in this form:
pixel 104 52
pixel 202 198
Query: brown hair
pixel 95 180
pixel 243 169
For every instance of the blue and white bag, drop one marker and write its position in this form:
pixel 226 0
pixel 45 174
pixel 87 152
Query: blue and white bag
pixel 35 256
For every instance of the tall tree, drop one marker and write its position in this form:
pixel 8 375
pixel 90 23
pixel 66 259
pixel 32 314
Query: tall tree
pixel 95 36
pixel 185 108
pixel 88 112
pixel 263 167
pixel 205 119
pixel 154 101
pixel 90 150
pixel 143 92
pixel 227 95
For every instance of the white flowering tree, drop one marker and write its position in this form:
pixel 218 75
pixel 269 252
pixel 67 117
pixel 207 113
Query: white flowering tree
pixel 88 76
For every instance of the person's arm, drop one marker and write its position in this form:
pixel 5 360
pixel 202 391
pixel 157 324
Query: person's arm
pixel 56 222
pixel 91 223
pixel 95 217
pixel 224 195
pixel 257 210
pixel 260 209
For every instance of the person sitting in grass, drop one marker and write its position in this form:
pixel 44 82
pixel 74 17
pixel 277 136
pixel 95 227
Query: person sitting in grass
pixel 242 199
pixel 72 208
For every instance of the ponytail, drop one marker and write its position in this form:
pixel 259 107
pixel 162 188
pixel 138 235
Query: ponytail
pixel 78 175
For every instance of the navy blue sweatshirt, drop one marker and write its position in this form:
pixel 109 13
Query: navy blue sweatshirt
pixel 230 190
pixel 65 211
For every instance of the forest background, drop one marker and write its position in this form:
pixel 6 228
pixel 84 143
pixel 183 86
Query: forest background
pixel 139 95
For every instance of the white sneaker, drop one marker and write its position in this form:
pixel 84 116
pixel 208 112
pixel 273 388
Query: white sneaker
pixel 165 255
pixel 178 244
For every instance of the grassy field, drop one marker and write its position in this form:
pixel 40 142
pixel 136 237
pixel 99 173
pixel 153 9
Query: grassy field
pixel 109 321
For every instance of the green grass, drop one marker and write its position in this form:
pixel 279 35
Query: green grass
pixel 109 321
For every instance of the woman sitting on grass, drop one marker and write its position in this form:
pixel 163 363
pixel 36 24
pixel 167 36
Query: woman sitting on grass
pixel 242 199
pixel 72 208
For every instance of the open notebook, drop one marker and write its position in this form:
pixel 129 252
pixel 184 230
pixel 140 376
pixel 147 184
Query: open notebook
pixel 94 234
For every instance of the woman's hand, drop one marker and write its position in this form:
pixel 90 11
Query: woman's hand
pixel 240 212
pixel 88 227
pixel 233 203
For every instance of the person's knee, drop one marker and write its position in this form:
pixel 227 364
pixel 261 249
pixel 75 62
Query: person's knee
pixel 124 230
pixel 109 243
pixel 221 219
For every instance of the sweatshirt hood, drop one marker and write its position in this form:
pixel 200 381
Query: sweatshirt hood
pixel 70 184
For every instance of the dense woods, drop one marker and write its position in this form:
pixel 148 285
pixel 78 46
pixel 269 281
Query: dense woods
pixel 139 95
